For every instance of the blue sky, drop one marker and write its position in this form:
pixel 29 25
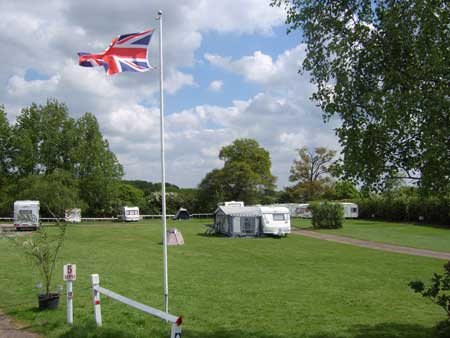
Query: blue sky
pixel 227 76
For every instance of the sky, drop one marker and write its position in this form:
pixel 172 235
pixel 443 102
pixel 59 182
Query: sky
pixel 230 71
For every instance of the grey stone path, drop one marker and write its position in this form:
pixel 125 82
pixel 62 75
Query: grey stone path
pixel 374 245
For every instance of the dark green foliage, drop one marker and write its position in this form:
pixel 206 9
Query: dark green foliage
pixel 245 176
pixel 341 190
pixel 442 329
pixel 56 192
pixel 382 67
pixel 149 187
pixel 327 215
pixel 412 208
pixel 439 292
pixel 63 162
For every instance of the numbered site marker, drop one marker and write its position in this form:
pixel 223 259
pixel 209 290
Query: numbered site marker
pixel 69 275
pixel 70 272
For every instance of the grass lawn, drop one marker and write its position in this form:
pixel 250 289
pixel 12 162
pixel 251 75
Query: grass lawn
pixel 294 287
pixel 406 234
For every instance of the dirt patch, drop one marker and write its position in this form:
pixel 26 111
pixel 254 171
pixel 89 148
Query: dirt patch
pixel 374 245
pixel 12 329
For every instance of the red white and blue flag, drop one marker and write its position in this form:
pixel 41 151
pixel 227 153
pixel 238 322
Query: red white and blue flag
pixel 127 53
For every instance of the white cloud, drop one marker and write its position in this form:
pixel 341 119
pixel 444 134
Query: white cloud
pixel 215 86
pixel 45 36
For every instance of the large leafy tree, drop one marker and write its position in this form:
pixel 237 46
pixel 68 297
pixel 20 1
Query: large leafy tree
pixel 96 166
pixel 45 142
pixel 312 173
pixel 5 146
pixel 245 176
pixel 383 67
pixel 43 138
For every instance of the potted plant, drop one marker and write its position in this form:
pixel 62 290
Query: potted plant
pixel 42 249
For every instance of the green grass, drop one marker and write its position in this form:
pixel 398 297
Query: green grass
pixel 405 234
pixel 227 287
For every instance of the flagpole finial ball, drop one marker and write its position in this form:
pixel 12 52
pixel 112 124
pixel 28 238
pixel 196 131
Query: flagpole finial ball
pixel 159 12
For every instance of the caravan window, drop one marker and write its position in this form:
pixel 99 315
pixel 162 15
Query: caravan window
pixel 354 209
pixel 132 212
pixel 278 217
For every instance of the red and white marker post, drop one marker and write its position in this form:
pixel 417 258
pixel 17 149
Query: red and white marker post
pixel 69 275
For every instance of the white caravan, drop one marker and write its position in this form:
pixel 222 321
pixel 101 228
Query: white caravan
pixel 303 211
pixel 275 220
pixel 26 215
pixel 350 210
pixel 72 215
pixel 254 221
pixel 130 214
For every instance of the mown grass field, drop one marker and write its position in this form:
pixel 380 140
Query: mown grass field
pixel 406 234
pixel 227 287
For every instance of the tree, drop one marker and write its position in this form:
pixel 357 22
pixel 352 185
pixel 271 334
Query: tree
pixel 128 195
pixel 342 190
pixel 96 167
pixel 41 142
pixel 211 190
pixel 245 176
pixel 312 173
pixel 383 68
pixel 56 192
pixel 5 146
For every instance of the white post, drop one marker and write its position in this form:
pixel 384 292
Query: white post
pixel 163 170
pixel 96 300
pixel 175 332
pixel 69 294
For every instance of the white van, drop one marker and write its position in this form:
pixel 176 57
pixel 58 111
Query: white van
pixel 130 214
pixel 26 215
pixel 275 220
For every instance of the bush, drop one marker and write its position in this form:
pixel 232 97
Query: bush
pixel 405 209
pixel 327 215
pixel 442 329
pixel 438 292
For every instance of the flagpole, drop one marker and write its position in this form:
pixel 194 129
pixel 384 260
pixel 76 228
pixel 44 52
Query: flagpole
pixel 163 170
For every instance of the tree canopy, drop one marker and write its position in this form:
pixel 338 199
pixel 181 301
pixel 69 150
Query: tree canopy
pixel 46 150
pixel 312 173
pixel 246 175
pixel 383 67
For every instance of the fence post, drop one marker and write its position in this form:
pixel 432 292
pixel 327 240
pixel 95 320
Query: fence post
pixel 175 332
pixel 96 299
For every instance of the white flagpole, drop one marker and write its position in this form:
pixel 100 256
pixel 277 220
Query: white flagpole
pixel 163 170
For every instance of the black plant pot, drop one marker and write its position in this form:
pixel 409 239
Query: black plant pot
pixel 48 301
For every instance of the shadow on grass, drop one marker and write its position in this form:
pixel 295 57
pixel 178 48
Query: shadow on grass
pixel 91 331
pixel 383 330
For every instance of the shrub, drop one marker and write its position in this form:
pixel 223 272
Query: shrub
pixel 437 291
pixel 327 215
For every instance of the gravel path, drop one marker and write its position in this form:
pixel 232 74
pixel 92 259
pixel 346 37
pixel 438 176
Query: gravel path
pixel 374 245
pixel 11 329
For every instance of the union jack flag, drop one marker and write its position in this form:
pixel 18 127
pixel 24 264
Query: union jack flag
pixel 126 53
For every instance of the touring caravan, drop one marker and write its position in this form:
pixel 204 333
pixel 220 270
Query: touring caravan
pixel 350 210
pixel 303 211
pixel 275 220
pixel 130 214
pixel 72 215
pixel 252 221
pixel 26 215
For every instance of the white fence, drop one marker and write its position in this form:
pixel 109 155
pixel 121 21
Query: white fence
pixel 105 219
pixel 97 290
